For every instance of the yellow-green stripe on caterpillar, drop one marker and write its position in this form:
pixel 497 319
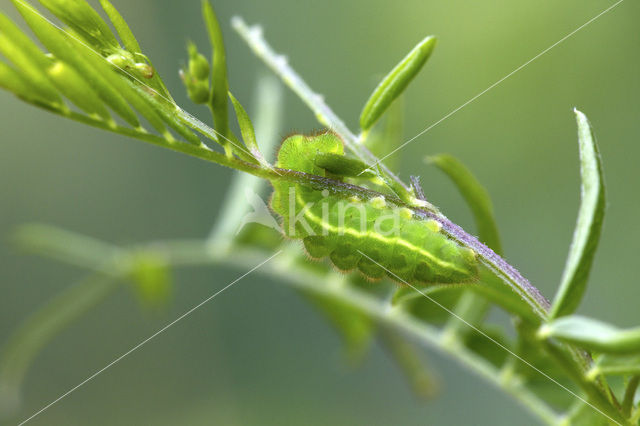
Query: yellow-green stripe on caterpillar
pixel 367 234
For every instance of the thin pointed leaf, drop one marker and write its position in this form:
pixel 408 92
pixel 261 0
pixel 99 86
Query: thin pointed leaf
pixel 475 195
pixel 85 21
pixel 153 106
pixel 593 334
pixel 14 82
pixel 472 307
pixel 27 58
pixel 126 35
pixel 618 365
pixel 219 84
pixel 75 88
pixel 395 82
pixel 588 228
pixel 248 134
pixel 58 44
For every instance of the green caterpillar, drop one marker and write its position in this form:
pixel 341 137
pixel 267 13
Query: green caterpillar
pixel 366 234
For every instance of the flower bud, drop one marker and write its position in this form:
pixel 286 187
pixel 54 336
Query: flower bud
pixel 145 70
pixel 198 90
pixel 198 64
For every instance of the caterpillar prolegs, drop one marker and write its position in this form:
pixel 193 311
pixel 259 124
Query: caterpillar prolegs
pixel 367 234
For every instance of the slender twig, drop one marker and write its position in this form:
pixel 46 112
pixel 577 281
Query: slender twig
pixel 629 395
pixel 268 117
pixel 278 63
pixel 288 270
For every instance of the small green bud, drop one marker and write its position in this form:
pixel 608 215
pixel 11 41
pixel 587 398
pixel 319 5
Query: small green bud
pixel 145 70
pixel 119 60
pixel 152 279
pixel 197 90
pixel 198 64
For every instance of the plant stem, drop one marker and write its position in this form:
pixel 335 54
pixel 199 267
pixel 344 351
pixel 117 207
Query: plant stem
pixel 183 253
pixel 629 395
pixel 324 114
pixel 268 116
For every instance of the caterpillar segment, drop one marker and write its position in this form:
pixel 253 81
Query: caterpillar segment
pixel 370 235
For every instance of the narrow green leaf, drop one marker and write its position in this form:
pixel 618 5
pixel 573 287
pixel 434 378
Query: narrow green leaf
pixel 28 59
pixel 170 117
pixel 616 365
pixel 472 307
pixel 14 82
pixel 395 82
pixel 219 84
pixel 153 106
pixel 58 44
pixel 85 21
pixel 593 334
pixel 130 91
pixel 588 228
pixel 126 35
pixel 77 90
pixel 248 134
pixel 475 195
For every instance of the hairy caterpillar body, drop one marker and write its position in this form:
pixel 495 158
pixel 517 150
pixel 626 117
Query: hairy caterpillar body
pixel 367 234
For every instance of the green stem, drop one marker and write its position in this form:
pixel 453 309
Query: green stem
pixel 269 108
pixel 324 114
pixel 283 268
pixel 599 398
pixel 629 395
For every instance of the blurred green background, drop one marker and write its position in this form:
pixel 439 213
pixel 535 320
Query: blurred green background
pixel 259 354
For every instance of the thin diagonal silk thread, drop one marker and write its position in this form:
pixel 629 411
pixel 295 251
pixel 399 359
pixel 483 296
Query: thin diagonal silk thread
pixel 139 345
pixel 425 130
pixel 492 340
